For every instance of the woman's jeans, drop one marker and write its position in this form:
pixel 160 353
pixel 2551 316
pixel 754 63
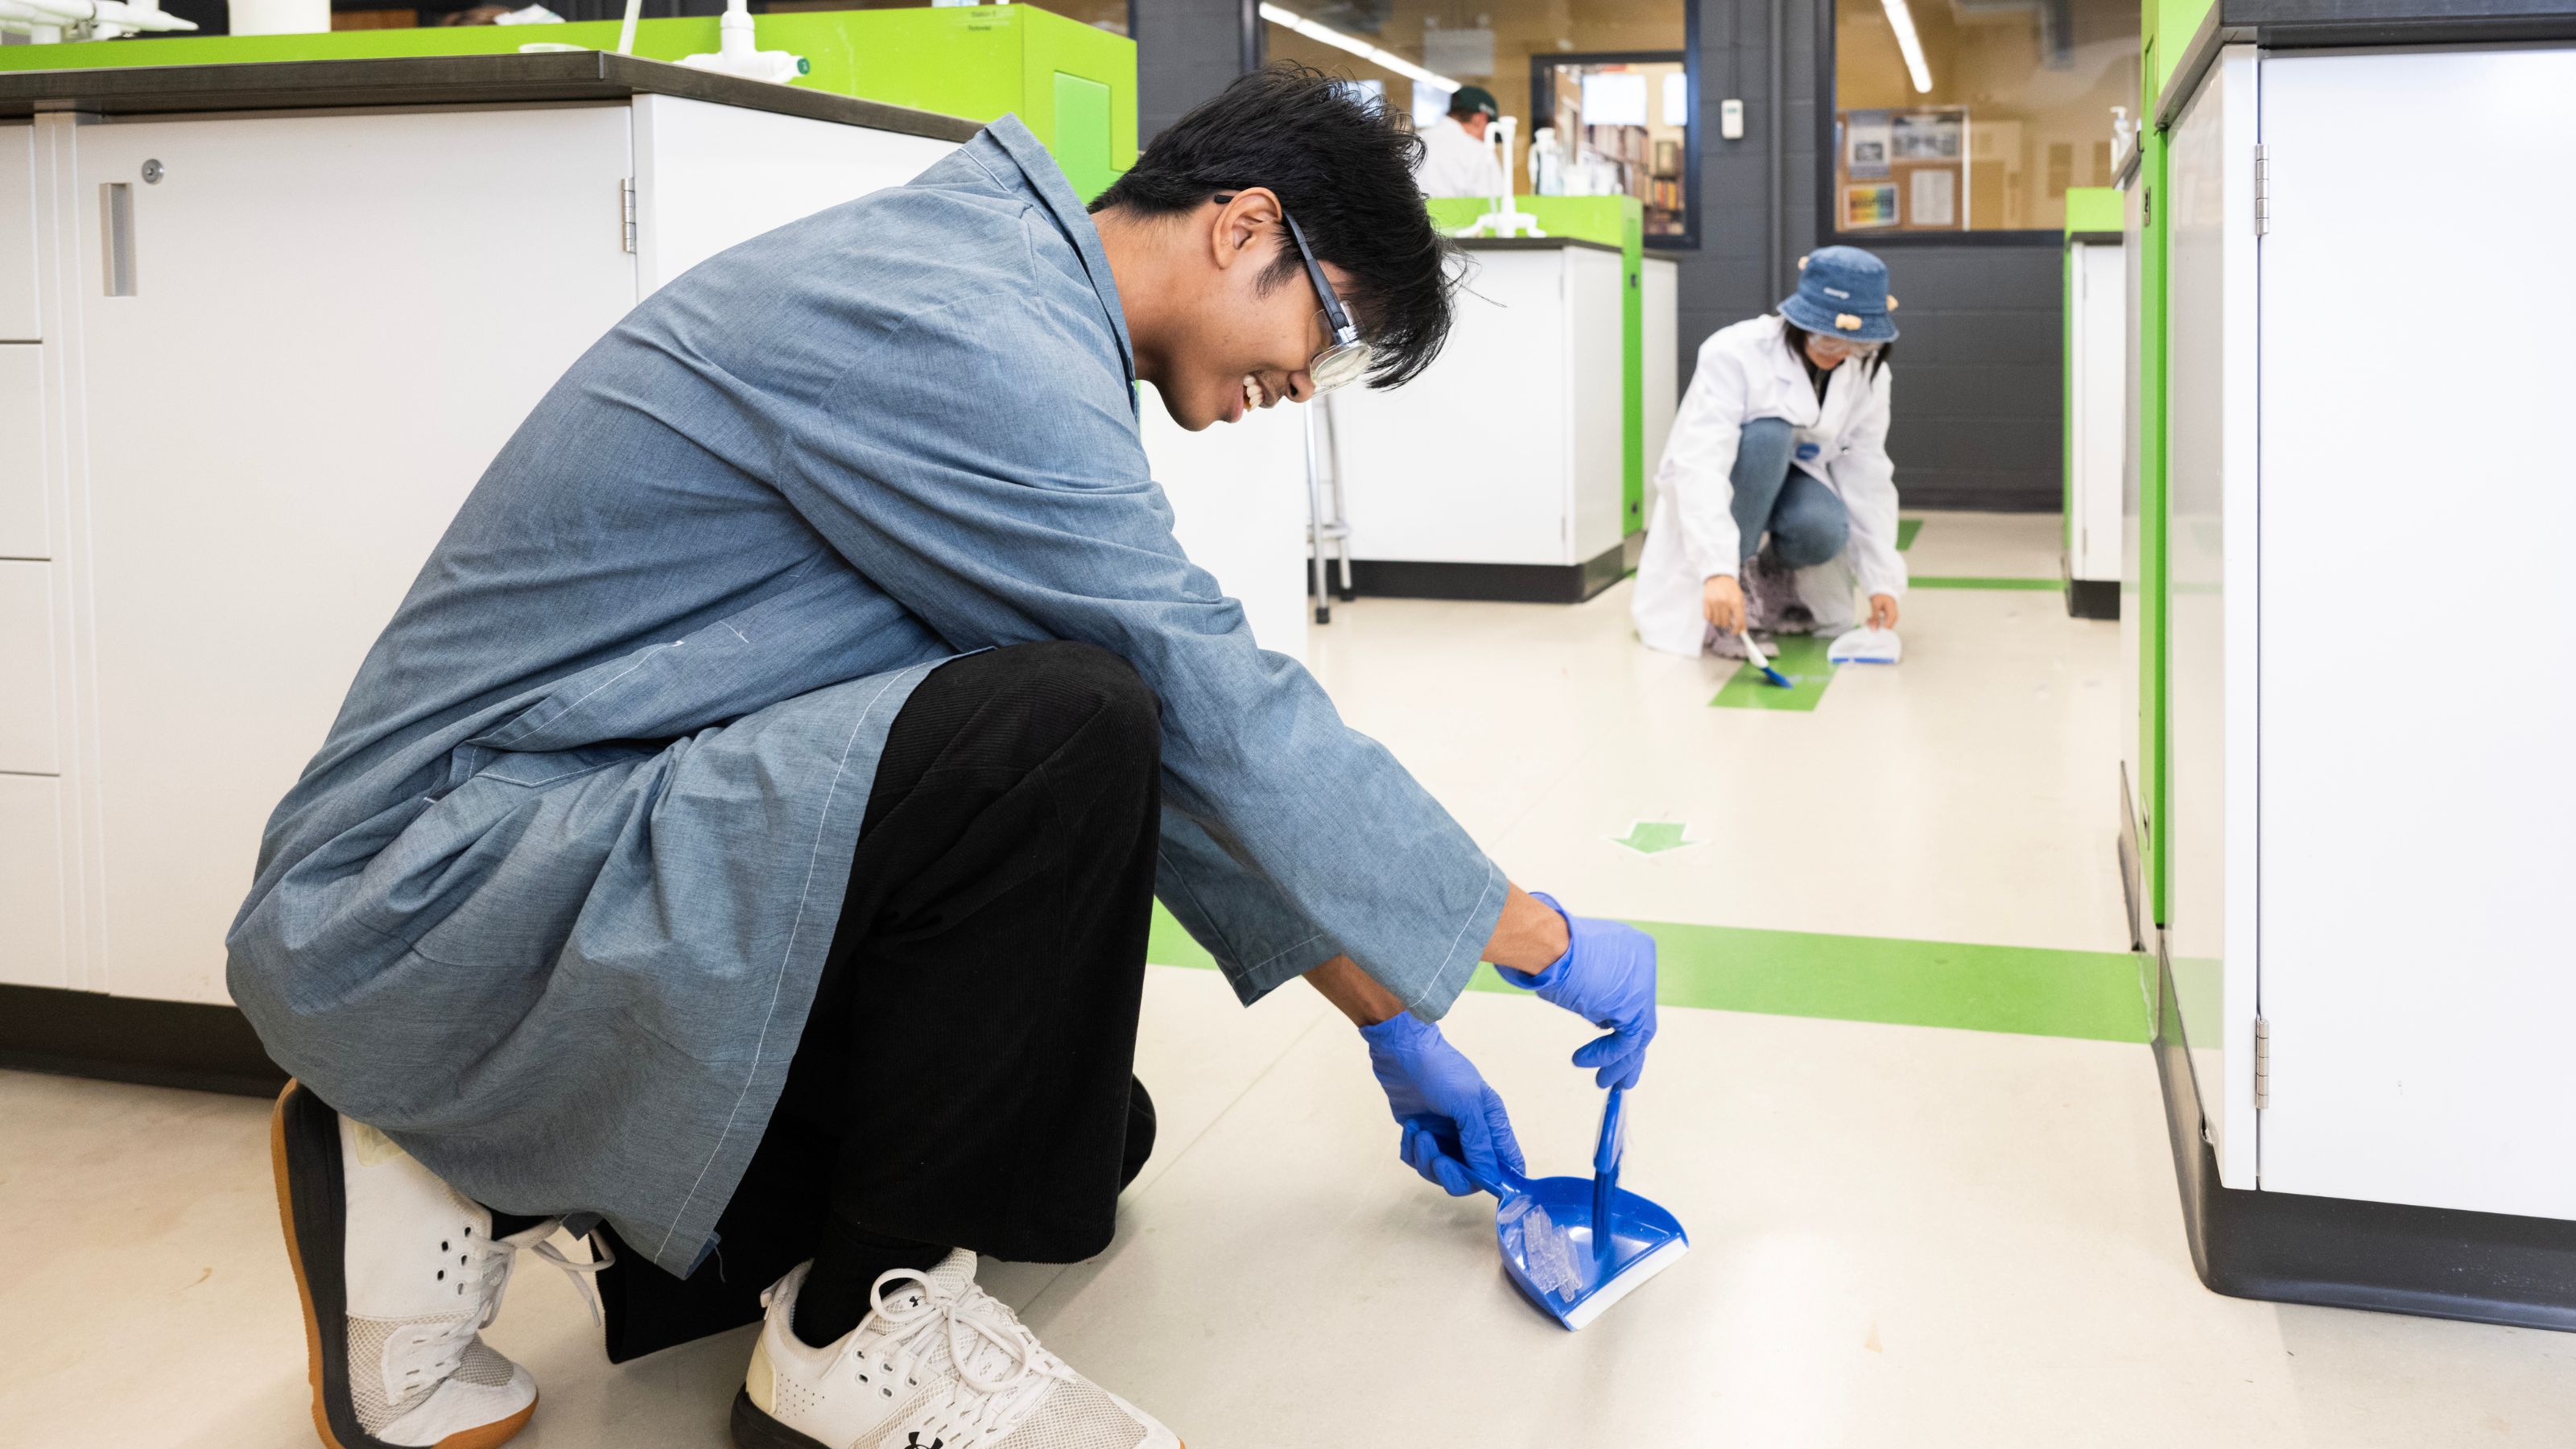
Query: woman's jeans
pixel 1806 521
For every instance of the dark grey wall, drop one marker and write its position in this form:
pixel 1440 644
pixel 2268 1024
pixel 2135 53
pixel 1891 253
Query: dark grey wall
pixel 1186 51
pixel 1977 393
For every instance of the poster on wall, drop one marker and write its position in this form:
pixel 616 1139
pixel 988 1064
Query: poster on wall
pixel 1865 140
pixel 1925 135
pixel 1868 206
pixel 1932 196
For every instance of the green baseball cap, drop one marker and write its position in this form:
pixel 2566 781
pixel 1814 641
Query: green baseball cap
pixel 1474 98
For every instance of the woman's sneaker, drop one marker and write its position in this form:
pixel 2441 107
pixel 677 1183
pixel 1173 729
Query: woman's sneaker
pixel 399 1274
pixel 1771 601
pixel 937 1364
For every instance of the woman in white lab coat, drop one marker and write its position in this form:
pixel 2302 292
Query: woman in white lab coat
pixel 1782 436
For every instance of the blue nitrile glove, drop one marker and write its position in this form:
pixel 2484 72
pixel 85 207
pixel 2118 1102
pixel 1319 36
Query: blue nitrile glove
pixel 1451 1119
pixel 1607 977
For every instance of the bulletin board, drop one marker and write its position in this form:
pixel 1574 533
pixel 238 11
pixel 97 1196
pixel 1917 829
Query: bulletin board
pixel 1904 171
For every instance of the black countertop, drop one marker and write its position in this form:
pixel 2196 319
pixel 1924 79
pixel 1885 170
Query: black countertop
pixel 437 80
pixel 1529 243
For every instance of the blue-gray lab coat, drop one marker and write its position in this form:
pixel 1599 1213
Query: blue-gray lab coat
pixel 550 904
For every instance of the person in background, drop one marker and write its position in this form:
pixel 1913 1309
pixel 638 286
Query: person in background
pixel 1456 160
pixel 1783 434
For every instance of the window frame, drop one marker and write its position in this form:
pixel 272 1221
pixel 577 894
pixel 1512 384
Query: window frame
pixel 1542 102
pixel 1829 230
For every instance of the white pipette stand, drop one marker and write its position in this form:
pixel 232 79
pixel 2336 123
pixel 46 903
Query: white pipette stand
pixel 737 53
pixel 1506 219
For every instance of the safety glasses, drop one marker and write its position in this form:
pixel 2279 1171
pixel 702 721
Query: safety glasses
pixel 1833 346
pixel 1345 358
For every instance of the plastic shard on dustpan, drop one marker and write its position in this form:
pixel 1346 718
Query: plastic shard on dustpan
pixel 1576 1245
pixel 1866 645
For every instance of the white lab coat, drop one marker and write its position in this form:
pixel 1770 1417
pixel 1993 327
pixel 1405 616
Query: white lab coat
pixel 1457 164
pixel 1746 372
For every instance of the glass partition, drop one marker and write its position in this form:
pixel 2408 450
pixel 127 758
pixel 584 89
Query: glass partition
pixel 1607 81
pixel 1960 116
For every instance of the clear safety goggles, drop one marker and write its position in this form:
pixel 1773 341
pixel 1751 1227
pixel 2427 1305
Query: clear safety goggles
pixel 1831 345
pixel 1344 358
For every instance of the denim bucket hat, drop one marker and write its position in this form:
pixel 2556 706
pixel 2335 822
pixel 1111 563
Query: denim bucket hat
pixel 1842 292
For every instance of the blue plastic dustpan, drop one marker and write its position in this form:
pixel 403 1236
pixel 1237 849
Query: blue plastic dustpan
pixel 1552 1247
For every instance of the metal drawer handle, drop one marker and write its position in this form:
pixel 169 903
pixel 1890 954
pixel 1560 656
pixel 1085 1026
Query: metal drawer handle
pixel 116 224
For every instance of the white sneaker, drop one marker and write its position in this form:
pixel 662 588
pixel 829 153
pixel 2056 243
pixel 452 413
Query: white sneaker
pixel 399 1274
pixel 938 1364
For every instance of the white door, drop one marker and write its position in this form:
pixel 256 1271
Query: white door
pixel 2209 537
pixel 711 176
pixel 334 323
pixel 2418 502
pixel 1660 291
pixel 1238 496
pixel 2099 354
pixel 1468 462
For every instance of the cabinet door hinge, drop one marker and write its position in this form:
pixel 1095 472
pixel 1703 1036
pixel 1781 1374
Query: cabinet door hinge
pixel 626 210
pixel 2262 1064
pixel 2262 189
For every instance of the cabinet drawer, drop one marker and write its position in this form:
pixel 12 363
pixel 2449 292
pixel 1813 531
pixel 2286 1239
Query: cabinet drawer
pixel 22 454
pixel 18 234
pixel 27 669
pixel 31 882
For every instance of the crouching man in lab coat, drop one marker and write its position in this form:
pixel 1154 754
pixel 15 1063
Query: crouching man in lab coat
pixel 1782 436
pixel 741 845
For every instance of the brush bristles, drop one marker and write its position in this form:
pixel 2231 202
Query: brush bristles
pixel 1624 1282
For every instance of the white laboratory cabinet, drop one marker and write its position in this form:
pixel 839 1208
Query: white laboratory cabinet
pixel 264 358
pixel 2370 707
pixel 2097 351
pixel 1500 469
pixel 1659 366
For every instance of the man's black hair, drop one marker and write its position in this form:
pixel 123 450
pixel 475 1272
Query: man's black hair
pixel 1344 168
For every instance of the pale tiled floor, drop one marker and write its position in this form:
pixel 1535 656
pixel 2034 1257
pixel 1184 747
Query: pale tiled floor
pixel 1903 1236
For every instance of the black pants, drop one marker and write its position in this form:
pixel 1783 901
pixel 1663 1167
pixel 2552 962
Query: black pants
pixel 964 1077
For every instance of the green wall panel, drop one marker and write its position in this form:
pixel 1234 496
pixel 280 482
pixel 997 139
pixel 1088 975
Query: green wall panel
pixel 2092 208
pixel 1082 133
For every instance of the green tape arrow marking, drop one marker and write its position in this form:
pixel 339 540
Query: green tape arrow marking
pixel 1653 837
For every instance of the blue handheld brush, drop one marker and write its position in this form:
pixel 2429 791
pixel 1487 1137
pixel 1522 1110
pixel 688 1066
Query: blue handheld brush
pixel 1576 1245
pixel 1753 652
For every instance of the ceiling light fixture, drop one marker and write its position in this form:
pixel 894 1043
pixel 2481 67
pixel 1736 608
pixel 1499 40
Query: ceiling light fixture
pixel 1387 59
pixel 1906 40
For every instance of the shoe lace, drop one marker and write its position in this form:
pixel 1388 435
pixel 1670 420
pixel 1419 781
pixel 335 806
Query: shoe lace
pixel 483 1270
pixel 969 1316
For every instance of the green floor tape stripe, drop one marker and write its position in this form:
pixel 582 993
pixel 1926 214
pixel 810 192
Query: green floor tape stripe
pixel 2021 990
pixel 1975 583
pixel 1802 658
pixel 1906 528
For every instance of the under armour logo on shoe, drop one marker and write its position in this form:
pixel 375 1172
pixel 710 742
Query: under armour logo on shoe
pixel 912 1440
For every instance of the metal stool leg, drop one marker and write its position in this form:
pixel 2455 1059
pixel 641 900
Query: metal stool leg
pixel 1315 525
pixel 1340 528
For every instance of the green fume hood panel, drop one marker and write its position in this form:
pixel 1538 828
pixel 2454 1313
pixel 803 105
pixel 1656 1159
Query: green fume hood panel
pixel 1073 84
pixel 1617 221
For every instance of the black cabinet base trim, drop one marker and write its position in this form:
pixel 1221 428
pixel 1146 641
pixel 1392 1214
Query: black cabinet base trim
pixel 1491 582
pixel 2133 868
pixel 2340 1253
pixel 128 1039
pixel 2093 598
